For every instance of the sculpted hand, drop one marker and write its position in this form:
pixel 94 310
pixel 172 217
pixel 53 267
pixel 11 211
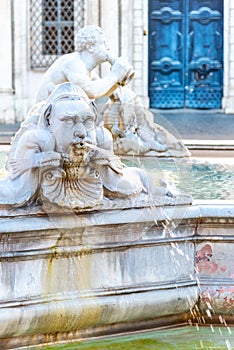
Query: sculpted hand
pixel 116 132
pixel 121 69
pixel 99 157
pixel 41 159
pixel 49 158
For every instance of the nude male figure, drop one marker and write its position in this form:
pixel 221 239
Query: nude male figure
pixel 77 67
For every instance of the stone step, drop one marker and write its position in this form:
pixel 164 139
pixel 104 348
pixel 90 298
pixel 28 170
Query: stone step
pixel 209 144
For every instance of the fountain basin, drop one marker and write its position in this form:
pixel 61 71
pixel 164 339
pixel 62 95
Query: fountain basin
pixel 90 274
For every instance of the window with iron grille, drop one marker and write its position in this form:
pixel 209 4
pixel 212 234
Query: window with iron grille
pixel 53 25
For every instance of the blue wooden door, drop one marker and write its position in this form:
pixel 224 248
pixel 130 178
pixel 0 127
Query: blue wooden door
pixel 166 53
pixel 185 53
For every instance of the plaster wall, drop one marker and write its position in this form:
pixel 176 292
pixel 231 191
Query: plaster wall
pixel 6 62
pixel 14 95
pixel 6 48
pixel 140 13
pixel 228 99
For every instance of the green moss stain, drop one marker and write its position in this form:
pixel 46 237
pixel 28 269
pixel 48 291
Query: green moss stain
pixel 49 271
pixel 65 273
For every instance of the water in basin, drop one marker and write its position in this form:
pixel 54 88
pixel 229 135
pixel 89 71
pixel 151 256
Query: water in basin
pixel 203 179
pixel 185 338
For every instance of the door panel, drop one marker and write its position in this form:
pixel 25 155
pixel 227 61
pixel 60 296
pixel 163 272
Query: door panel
pixel 205 55
pixel 185 53
pixel 166 78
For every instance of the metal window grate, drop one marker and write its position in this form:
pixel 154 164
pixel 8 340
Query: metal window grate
pixel 53 25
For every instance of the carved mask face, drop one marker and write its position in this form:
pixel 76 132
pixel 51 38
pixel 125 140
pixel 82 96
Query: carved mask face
pixel 72 123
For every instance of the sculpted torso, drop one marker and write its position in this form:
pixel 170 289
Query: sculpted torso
pixel 61 72
pixel 77 67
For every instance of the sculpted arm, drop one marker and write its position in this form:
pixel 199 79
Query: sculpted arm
pixel 35 149
pixel 95 88
pixel 99 87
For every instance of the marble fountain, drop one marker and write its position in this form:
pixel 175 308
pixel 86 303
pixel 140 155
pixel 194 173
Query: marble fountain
pixel 93 241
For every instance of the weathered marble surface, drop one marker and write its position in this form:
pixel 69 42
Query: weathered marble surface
pixel 215 263
pixel 76 275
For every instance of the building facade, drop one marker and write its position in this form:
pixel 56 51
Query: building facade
pixel 35 32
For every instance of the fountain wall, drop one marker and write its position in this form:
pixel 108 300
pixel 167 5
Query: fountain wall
pixel 70 276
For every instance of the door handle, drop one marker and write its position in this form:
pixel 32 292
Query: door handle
pixel 191 39
pixel 217 40
pixel 179 39
pixel 152 35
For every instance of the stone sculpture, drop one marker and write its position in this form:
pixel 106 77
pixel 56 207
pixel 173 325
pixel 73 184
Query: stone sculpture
pixel 79 67
pixel 133 129
pixel 62 157
pixel 65 159
pixel 63 153
pixel 138 135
